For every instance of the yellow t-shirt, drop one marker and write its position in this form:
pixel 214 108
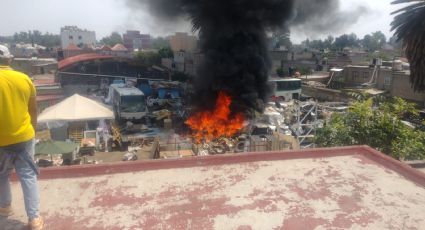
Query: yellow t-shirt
pixel 16 89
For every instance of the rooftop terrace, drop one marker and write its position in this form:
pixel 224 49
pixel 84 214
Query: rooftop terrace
pixel 342 188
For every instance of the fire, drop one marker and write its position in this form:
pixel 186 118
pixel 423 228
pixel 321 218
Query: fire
pixel 210 125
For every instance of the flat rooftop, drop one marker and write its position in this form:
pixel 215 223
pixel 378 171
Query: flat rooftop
pixel 340 188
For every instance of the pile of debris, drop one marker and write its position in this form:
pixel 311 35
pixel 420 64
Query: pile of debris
pixel 219 146
pixel 315 84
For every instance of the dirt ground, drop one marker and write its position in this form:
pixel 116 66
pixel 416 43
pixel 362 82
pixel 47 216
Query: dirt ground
pixel 107 157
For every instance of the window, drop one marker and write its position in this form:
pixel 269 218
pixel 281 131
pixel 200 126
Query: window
pixel 355 75
pixel 288 85
pixel 387 80
pixel 80 37
pixel 71 37
pixel 365 76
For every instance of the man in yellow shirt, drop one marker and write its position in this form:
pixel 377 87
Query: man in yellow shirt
pixel 18 119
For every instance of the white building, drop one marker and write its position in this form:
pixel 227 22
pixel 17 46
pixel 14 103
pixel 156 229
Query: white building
pixel 77 36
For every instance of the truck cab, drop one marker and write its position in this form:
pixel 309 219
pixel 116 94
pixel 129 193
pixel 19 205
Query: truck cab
pixel 286 89
pixel 129 103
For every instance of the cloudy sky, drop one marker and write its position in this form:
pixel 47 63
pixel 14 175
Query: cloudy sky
pixel 106 16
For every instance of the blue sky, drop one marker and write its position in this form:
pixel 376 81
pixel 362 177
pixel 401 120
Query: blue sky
pixel 106 16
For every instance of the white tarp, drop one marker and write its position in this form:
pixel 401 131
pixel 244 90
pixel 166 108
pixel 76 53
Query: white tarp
pixel 76 108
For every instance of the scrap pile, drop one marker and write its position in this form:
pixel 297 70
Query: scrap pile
pixel 316 84
pixel 218 146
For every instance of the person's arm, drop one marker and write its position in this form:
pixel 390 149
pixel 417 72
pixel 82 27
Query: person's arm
pixel 32 105
pixel 32 110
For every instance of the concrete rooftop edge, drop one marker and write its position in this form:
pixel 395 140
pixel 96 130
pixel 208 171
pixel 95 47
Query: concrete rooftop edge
pixel 149 165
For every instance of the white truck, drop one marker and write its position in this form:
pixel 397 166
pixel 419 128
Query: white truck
pixel 129 102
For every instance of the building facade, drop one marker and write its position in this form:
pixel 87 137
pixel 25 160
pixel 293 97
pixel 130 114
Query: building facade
pixel 278 59
pixel 72 50
pixel 135 40
pixel 183 42
pixel 185 62
pixel 93 72
pixel 401 87
pixel 49 92
pixel 77 36
pixel 35 66
pixel 119 50
pixel 395 81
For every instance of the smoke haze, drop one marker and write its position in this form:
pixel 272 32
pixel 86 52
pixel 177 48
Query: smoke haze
pixel 310 17
pixel 321 17
pixel 233 40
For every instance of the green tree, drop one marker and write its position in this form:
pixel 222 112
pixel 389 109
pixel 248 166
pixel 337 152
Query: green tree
pixel 21 37
pixel 317 44
pixel 395 43
pixel 408 25
pixel 48 40
pixel 112 40
pixel 328 42
pixel 166 52
pixel 304 70
pixel 282 38
pixel 346 40
pixel 281 72
pixel 374 41
pixel 148 59
pixel 160 42
pixel 306 43
pixel 334 133
pixel 378 125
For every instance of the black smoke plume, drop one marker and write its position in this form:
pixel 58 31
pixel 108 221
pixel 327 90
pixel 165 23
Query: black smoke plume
pixel 320 17
pixel 233 39
pixel 234 43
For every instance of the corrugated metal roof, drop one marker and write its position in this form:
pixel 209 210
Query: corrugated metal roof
pixel 124 90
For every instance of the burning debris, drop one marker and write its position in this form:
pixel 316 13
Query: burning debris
pixel 233 39
pixel 231 91
pixel 210 125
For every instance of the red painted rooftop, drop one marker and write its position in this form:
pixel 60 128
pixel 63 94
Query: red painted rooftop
pixel 341 188
pixel 80 58
pixel 105 48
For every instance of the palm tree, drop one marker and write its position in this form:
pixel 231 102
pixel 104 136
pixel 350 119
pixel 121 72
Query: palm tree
pixel 409 26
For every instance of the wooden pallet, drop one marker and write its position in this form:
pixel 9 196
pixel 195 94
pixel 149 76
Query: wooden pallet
pixel 76 134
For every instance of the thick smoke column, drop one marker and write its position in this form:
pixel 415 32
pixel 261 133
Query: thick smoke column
pixel 233 39
pixel 234 43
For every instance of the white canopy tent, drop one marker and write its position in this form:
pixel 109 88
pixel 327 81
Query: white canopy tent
pixel 76 108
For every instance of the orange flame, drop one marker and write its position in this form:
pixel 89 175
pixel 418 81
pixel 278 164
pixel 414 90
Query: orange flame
pixel 210 125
